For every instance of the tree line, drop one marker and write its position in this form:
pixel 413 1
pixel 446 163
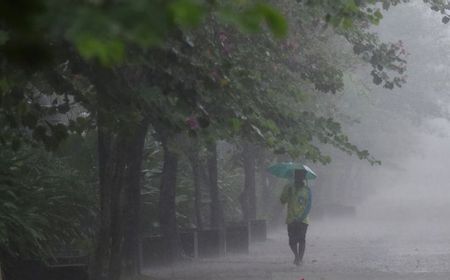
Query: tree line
pixel 148 89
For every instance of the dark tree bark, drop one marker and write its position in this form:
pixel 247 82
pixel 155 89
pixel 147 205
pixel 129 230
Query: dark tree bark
pixel 117 209
pixel 133 201
pixel 266 196
pixel 112 165
pixel 248 196
pixel 217 217
pixel 167 204
pixel 118 238
pixel 118 174
pixel 196 176
pixel 112 148
pixel 103 232
pixel 120 144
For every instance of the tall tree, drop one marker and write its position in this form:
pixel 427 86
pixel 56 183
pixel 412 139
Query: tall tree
pixel 167 203
pixel 217 216
pixel 84 44
pixel 248 196
pixel 196 165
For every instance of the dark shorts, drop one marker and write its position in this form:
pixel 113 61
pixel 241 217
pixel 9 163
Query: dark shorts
pixel 297 231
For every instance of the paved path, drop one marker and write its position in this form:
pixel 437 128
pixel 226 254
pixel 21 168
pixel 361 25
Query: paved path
pixel 342 250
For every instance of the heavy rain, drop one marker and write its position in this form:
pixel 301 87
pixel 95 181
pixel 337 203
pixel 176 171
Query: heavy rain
pixel 239 139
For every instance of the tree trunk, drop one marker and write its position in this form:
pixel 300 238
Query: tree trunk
pixel 110 235
pixel 117 218
pixel 266 196
pixel 133 201
pixel 119 162
pixel 120 158
pixel 248 196
pixel 167 204
pixel 196 176
pixel 267 199
pixel 112 149
pixel 103 232
pixel 217 218
pixel 111 167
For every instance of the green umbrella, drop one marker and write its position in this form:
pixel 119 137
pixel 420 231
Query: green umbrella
pixel 286 170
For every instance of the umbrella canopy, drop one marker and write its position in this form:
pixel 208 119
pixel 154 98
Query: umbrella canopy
pixel 286 170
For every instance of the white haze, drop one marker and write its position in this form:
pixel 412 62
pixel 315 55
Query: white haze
pixel 402 224
pixel 418 193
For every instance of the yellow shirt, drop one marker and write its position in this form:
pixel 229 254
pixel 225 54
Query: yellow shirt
pixel 298 201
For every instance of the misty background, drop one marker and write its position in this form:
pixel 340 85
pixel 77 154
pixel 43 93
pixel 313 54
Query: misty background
pixel 406 128
pixel 136 138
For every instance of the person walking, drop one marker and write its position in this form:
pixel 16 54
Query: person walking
pixel 297 196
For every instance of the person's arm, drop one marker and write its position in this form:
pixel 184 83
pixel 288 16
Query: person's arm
pixel 284 195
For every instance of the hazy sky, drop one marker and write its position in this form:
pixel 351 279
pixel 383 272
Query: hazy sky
pixel 421 188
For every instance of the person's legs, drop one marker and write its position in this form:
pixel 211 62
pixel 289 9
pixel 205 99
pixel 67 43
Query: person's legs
pixel 293 245
pixel 302 240
pixel 293 236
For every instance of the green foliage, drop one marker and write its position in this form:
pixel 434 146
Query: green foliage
pixel 186 12
pixel 44 205
pixel 38 109
pixel 251 17
pixel 79 153
pixel 108 52
pixel 257 90
pixel 181 66
pixel 441 6
pixel 100 30
pixel 3 37
pixel 248 73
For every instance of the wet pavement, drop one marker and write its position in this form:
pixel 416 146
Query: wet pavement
pixel 336 250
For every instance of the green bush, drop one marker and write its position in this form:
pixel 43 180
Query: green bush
pixel 43 204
